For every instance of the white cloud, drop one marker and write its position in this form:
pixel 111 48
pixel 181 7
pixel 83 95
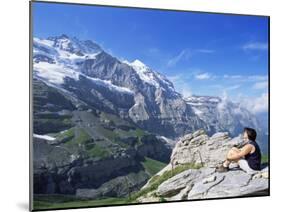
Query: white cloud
pixel 207 51
pixel 233 87
pixel 255 46
pixel 184 54
pixel 224 95
pixel 256 105
pixel 185 90
pixel 181 85
pixel 258 77
pixel 260 85
pixel 175 78
pixel 246 78
pixel 226 76
pixel 203 76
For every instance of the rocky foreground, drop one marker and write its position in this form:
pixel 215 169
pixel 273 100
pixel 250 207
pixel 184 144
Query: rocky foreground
pixel 205 182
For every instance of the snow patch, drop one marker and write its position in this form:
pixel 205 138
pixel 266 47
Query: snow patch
pixel 194 103
pixel 109 84
pixel 54 73
pixel 45 137
pixel 138 63
pixel 197 111
pixel 144 73
pixel 65 50
pixel 43 42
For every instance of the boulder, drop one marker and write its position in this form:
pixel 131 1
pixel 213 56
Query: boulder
pixel 199 148
pixel 175 184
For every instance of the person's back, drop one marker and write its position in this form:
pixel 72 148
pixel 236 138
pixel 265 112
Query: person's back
pixel 254 159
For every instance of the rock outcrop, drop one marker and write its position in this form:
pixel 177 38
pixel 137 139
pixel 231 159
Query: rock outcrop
pixel 205 182
pixel 198 147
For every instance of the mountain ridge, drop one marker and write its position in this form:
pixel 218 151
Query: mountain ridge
pixel 156 105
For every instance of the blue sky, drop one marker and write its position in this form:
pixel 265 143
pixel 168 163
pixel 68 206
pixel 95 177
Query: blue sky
pixel 201 53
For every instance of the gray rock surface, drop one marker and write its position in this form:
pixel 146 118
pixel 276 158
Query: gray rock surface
pixel 173 185
pixel 205 182
pixel 198 147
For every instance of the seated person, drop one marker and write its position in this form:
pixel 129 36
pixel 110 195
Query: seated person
pixel 248 157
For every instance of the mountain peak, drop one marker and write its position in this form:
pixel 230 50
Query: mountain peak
pixel 58 37
pixel 64 36
pixel 138 63
pixel 71 45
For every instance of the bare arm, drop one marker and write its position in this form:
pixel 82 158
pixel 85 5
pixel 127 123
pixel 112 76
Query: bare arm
pixel 239 154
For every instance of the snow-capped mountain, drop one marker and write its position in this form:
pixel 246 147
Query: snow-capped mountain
pixel 58 58
pixel 149 98
pixel 149 76
pixel 131 90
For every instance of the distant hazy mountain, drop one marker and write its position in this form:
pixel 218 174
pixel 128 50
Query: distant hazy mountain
pixel 221 114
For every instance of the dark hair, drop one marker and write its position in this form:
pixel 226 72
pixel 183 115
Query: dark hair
pixel 252 134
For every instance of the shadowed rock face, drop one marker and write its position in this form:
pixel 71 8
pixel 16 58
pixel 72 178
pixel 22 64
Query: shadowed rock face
pixel 205 182
pixel 120 186
pixel 58 170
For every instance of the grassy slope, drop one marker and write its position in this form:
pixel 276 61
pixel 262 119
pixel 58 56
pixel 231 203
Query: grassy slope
pixel 156 180
pixel 60 201
pixel 152 166
pixel 81 137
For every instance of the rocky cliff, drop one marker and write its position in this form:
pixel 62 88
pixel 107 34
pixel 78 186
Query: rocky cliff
pixel 74 141
pixel 202 181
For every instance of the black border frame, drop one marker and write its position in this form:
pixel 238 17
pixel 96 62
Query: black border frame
pixel 31 104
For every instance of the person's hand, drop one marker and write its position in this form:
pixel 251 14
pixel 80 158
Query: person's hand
pixel 235 149
pixel 238 145
pixel 235 146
